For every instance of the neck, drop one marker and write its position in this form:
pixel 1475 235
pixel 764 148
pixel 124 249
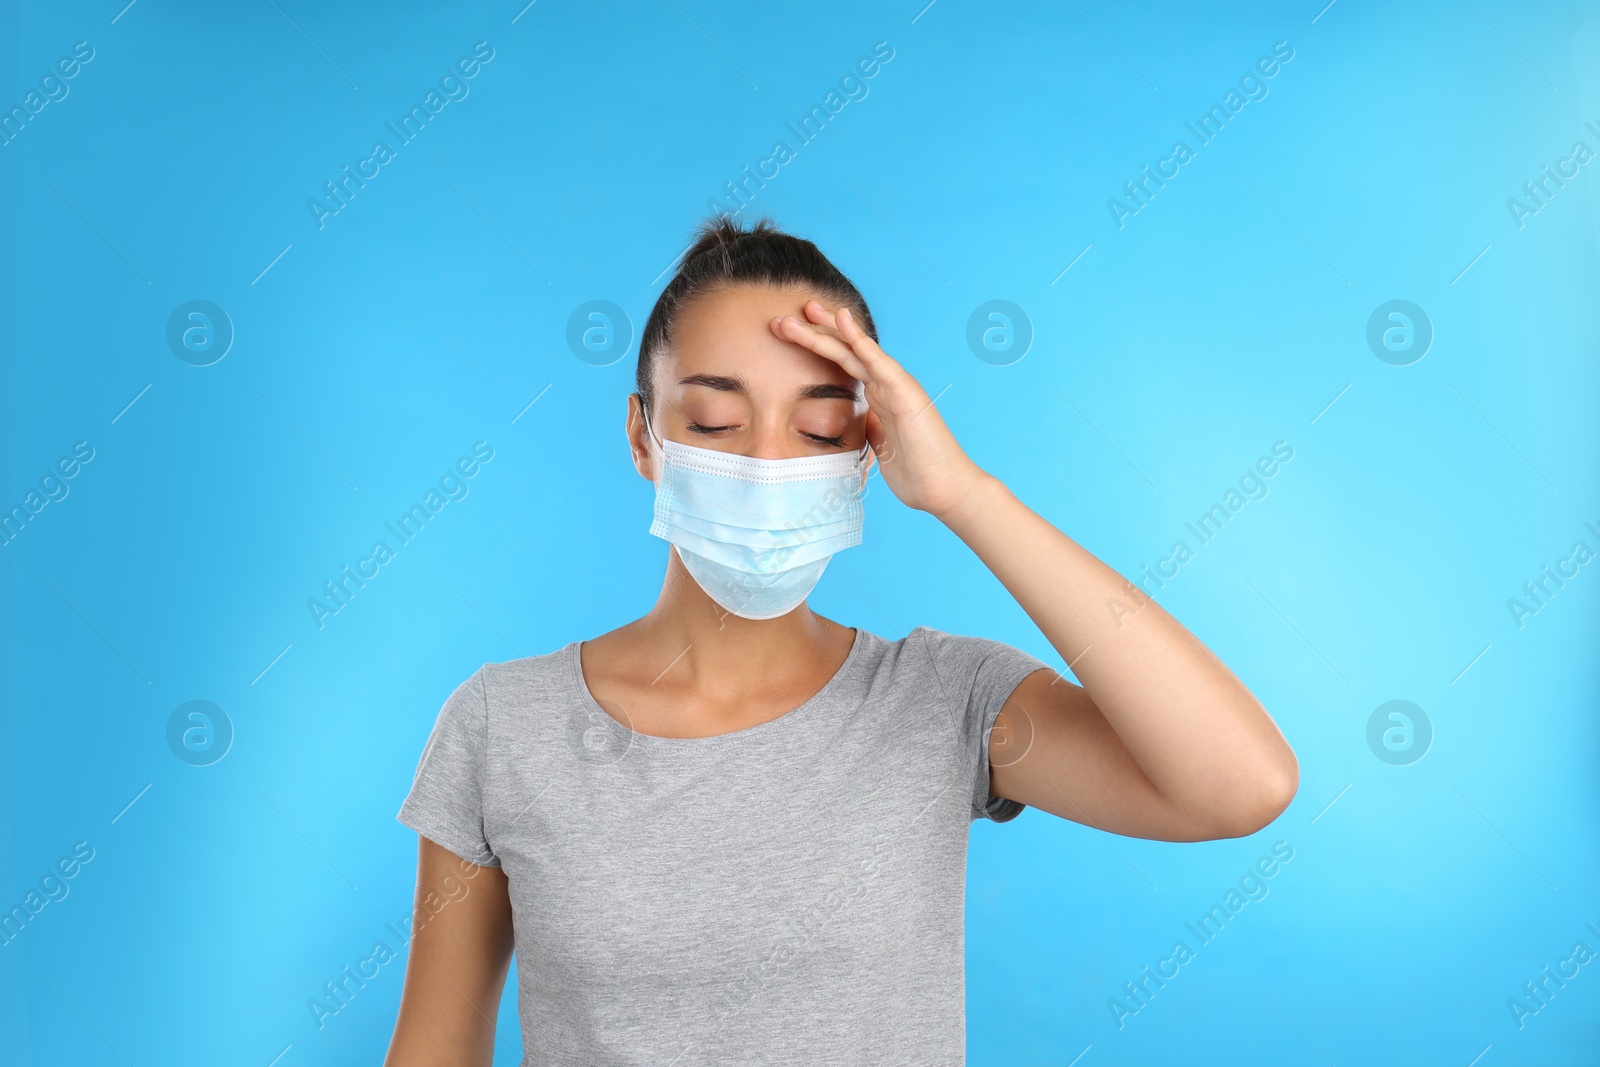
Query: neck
pixel 688 625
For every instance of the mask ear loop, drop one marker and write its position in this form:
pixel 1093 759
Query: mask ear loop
pixel 644 410
pixel 661 446
pixel 867 461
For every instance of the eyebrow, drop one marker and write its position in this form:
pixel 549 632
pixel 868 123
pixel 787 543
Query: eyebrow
pixel 733 384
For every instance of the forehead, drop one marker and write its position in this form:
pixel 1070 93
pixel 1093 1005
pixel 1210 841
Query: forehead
pixel 725 331
pixel 720 316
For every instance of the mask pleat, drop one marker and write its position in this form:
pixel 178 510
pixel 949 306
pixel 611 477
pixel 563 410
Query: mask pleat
pixel 757 533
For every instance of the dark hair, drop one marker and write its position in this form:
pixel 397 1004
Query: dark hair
pixel 725 256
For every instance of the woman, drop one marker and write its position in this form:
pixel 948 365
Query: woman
pixel 733 831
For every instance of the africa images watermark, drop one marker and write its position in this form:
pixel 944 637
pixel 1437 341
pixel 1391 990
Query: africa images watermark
pixel 337 993
pixel 1252 83
pixel 1252 485
pixel 53 88
pixel 53 888
pixel 854 89
pixel 1549 582
pixel 452 87
pixel 53 487
pixel 338 593
pixel 1252 886
pixel 1549 183
pixel 1536 996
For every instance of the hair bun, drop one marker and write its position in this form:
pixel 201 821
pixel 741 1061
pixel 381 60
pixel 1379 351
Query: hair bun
pixel 722 231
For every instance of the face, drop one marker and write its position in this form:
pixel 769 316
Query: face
pixel 728 383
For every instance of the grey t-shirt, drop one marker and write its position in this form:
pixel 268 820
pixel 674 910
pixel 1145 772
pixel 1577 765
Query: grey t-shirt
pixel 789 893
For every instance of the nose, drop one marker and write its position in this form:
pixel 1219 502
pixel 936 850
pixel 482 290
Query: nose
pixel 770 438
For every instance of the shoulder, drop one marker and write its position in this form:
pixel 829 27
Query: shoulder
pixel 497 689
pixel 943 658
pixel 961 648
pixel 508 685
pixel 969 666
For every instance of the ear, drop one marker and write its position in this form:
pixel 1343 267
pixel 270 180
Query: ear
pixel 639 439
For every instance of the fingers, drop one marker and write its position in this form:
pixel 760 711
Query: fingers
pixel 849 329
pixel 792 329
pixel 817 313
pixel 841 322
pixel 836 335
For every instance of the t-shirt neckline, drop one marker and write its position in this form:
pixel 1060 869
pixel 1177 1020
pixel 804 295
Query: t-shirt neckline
pixel 790 717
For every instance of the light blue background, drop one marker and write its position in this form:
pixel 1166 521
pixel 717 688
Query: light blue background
pixel 432 309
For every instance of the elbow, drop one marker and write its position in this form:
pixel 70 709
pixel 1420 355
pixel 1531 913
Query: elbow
pixel 1272 788
pixel 1277 783
pixel 1277 800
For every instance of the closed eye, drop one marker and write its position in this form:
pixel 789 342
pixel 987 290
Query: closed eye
pixel 836 442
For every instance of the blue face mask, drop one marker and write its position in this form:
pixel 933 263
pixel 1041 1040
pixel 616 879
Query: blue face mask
pixel 756 534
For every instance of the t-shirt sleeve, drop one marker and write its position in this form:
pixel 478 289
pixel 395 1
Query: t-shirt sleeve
pixel 977 675
pixel 445 804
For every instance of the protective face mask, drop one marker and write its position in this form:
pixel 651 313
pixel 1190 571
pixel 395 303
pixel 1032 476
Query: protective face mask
pixel 756 534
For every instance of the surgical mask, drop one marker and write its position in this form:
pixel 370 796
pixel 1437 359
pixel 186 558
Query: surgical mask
pixel 756 534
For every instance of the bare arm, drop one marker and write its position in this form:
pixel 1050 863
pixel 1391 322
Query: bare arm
pixel 1161 741
pixel 461 944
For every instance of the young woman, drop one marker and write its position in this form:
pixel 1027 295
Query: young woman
pixel 735 832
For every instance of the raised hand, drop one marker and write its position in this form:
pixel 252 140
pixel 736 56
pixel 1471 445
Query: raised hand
pixel 917 454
